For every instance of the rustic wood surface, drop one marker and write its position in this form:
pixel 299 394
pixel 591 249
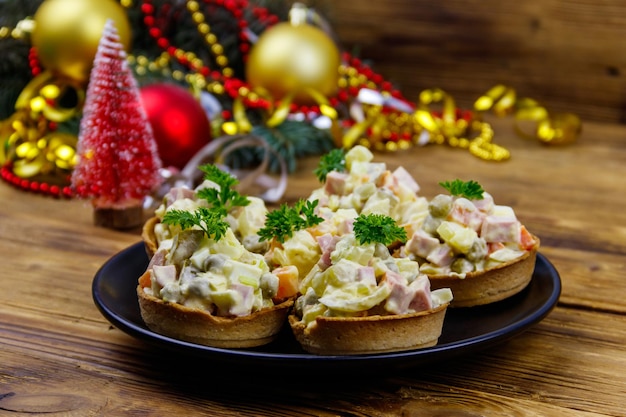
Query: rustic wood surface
pixel 60 356
pixel 569 54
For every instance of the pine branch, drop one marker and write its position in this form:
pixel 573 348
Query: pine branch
pixel 291 140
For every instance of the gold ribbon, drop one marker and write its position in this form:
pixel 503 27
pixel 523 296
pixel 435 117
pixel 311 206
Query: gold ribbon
pixel 549 128
pixel 423 124
pixel 30 141
pixel 277 113
pixel 447 127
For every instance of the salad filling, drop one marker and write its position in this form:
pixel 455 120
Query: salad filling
pixel 355 280
pixel 465 231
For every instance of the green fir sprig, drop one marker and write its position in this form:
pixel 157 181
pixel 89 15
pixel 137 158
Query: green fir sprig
pixel 211 222
pixel 225 197
pixel 378 228
pixel 280 224
pixel 221 200
pixel 471 189
pixel 335 160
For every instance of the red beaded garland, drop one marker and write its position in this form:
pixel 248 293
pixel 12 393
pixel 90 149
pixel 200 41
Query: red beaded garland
pixel 34 186
pixel 233 85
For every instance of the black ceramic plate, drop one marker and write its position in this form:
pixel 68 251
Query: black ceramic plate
pixel 465 330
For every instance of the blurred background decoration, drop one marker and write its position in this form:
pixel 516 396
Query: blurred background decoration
pixel 307 77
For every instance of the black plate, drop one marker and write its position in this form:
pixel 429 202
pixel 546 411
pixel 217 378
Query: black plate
pixel 465 330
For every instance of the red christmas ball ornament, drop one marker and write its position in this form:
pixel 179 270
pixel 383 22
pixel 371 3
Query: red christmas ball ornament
pixel 179 123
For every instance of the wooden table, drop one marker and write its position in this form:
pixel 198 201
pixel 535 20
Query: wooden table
pixel 60 356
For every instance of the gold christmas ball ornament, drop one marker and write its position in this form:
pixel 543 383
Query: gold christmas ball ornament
pixel 294 58
pixel 66 34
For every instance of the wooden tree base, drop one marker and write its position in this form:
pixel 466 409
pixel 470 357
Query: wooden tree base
pixel 119 218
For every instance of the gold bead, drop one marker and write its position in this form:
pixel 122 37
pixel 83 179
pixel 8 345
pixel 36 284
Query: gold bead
pixel 192 6
pixel 217 49
pixel 222 61
pixel 217 88
pixel 391 146
pixel 197 17
pixel 353 81
pixel 404 144
pixel 243 91
pixel 210 38
pixel 204 28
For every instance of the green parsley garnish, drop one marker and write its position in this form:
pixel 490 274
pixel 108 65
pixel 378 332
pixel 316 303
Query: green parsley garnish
pixel 281 223
pixel 210 221
pixel 224 198
pixel 470 189
pixel 378 228
pixel 221 201
pixel 335 160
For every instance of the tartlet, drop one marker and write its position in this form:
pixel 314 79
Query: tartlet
pixel 370 334
pixel 198 326
pixel 208 290
pixel 491 285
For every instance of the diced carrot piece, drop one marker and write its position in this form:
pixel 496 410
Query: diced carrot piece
pixel 527 241
pixel 287 281
pixel 144 280
pixel 494 246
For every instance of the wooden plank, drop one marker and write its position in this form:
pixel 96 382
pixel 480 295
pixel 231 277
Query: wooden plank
pixel 568 54
pixel 564 365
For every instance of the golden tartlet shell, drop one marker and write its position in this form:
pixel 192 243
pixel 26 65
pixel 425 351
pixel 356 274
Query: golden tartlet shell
pixel 149 237
pixel 198 326
pixel 370 334
pixel 490 285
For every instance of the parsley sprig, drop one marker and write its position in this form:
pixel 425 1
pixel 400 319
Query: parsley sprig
pixel 224 198
pixel 281 223
pixel 221 200
pixel 335 160
pixel 210 222
pixel 378 228
pixel 468 189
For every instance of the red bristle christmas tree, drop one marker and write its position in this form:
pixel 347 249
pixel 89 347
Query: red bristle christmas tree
pixel 118 162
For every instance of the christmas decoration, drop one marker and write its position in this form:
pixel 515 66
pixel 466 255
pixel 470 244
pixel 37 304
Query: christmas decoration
pixel 548 127
pixel 294 59
pixel 118 162
pixel 67 32
pixel 217 49
pixel 180 124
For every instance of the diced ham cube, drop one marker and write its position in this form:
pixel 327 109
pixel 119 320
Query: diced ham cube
pixel 327 243
pixel 426 246
pixel 244 305
pixel 400 297
pixel 442 256
pixel 178 193
pixel 367 275
pixel 485 204
pixel 158 258
pixel 336 183
pixel 500 229
pixel 422 300
pixel 407 298
pixel 404 177
pixel 465 212
pixel 346 226
pixel 422 244
pixel 164 274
